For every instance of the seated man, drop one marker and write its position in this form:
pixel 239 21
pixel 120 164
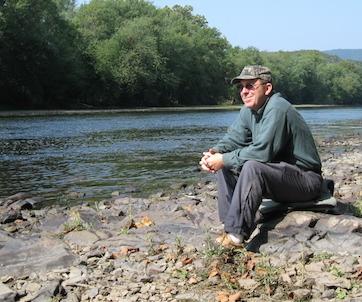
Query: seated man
pixel 268 152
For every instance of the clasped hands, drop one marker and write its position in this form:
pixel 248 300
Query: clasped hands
pixel 211 161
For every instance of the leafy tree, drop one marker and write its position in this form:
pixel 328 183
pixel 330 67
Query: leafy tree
pixel 39 58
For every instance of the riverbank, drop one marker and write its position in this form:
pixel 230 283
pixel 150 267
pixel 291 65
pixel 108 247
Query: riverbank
pixel 162 248
pixel 30 113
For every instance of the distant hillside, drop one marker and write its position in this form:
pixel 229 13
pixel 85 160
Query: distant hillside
pixel 346 54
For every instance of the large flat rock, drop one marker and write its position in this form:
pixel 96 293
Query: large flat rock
pixel 19 257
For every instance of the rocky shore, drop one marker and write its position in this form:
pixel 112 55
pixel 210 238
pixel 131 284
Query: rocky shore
pixel 162 248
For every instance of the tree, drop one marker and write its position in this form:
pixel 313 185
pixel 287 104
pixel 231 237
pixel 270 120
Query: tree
pixel 40 64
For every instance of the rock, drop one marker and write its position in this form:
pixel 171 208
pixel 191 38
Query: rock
pixel 81 238
pixel 48 291
pixel 91 293
pixel 71 297
pixel 19 196
pixel 76 275
pixel 10 216
pixel 300 294
pixel 6 294
pixel 339 224
pixel 24 256
pixel 248 284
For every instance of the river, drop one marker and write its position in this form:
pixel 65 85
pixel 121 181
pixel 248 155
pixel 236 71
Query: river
pixel 136 153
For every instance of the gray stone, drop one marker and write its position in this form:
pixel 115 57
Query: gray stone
pixel 7 294
pixel 10 216
pixel 81 238
pixel 48 291
pixel 339 224
pixel 24 256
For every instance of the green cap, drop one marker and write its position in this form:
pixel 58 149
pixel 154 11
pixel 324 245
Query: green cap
pixel 253 72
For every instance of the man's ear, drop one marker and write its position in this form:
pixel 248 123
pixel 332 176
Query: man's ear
pixel 269 88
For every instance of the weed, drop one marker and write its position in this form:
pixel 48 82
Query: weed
pixel 321 256
pixel 124 231
pixel 151 245
pixel 212 250
pixel 267 275
pixel 357 208
pixel 229 283
pixel 341 293
pixel 179 245
pixel 336 271
pixel 75 223
pixel 182 274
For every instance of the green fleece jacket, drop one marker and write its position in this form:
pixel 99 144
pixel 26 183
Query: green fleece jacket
pixel 275 133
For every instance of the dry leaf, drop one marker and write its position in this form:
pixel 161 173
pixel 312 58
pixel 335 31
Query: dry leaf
pixel 124 251
pixel 235 297
pixel 163 247
pixel 250 265
pixel 144 222
pixel 358 274
pixel 222 297
pixel 186 261
pixel 214 272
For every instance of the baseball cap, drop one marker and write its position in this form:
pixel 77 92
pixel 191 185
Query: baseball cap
pixel 253 72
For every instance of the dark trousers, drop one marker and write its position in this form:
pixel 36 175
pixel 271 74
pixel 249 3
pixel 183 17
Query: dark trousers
pixel 239 196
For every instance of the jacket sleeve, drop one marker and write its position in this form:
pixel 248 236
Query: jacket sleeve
pixel 269 138
pixel 237 136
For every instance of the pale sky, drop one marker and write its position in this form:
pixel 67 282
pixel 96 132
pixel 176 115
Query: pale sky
pixel 288 25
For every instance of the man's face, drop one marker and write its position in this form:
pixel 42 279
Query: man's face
pixel 254 93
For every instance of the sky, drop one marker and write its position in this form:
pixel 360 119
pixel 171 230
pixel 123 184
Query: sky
pixel 273 25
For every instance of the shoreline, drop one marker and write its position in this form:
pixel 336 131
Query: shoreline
pixel 34 113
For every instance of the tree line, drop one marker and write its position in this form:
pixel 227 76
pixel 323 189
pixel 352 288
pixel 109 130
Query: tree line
pixel 129 53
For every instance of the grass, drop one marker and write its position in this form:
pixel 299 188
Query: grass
pixel 357 208
pixel 336 271
pixel 75 223
pixel 341 293
pixel 321 256
pixel 212 249
pixel 267 275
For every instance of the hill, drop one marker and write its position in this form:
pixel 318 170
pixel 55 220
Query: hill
pixel 346 54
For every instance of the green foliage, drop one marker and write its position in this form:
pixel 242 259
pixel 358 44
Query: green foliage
pixel 40 62
pixel 75 223
pixel 357 208
pixel 341 293
pixel 128 53
pixel 321 256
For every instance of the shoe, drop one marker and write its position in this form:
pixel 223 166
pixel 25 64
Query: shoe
pixel 230 240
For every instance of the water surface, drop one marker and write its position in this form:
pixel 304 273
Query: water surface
pixel 137 153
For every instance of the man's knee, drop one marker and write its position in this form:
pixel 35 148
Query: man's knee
pixel 252 166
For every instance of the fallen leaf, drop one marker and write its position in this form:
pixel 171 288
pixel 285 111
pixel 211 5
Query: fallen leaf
pixel 124 251
pixel 163 247
pixel 222 297
pixel 250 264
pixel 358 274
pixel 186 261
pixel 214 272
pixel 144 222
pixel 235 297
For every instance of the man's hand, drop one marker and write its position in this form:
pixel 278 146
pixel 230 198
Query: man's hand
pixel 211 161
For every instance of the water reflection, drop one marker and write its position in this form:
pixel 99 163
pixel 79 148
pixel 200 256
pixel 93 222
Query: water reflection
pixel 140 152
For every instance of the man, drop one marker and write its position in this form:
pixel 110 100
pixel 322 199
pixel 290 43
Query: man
pixel 268 152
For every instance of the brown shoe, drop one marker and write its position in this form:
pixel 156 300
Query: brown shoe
pixel 226 240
